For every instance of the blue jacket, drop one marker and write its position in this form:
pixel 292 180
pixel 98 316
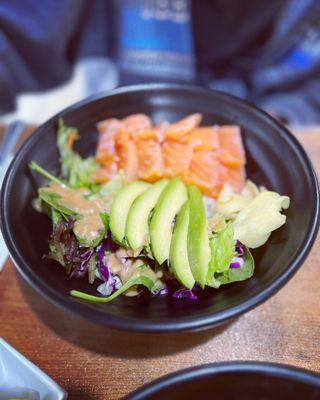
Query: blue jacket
pixel 267 52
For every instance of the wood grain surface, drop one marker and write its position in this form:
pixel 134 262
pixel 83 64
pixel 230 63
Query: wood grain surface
pixel 99 364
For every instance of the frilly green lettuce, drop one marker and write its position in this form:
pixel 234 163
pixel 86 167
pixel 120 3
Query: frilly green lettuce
pixel 222 247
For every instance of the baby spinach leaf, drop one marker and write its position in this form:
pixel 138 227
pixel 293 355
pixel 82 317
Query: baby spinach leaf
pixel 139 280
pixel 90 243
pixel 93 243
pixel 52 199
pixel 45 174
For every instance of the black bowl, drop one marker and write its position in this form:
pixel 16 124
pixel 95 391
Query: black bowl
pixel 275 159
pixel 233 380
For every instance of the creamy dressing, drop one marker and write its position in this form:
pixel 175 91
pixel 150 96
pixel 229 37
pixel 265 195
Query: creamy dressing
pixel 126 269
pixel 145 271
pixel 89 226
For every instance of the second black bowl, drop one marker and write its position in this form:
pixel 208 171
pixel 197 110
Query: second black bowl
pixel 233 380
pixel 275 160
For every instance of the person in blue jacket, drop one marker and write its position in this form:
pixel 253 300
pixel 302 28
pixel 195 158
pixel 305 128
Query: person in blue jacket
pixel 265 51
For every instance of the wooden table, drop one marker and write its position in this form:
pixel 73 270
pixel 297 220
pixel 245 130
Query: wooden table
pixel 95 365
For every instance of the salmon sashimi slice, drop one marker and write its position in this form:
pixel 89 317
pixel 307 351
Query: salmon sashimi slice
pixel 122 137
pixel 236 177
pixel 207 156
pixel 184 126
pixel 161 130
pixel 204 172
pixel 109 124
pixel 106 172
pixel 108 130
pixel 150 160
pixel 177 158
pixel 137 122
pixel 144 134
pixel 232 152
pixel 128 160
pixel 203 138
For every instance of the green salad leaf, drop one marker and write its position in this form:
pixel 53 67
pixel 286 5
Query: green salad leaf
pixel 84 242
pixel 75 169
pixel 222 247
pixel 139 280
pixel 95 242
pixel 105 219
pixel 112 186
pixel 109 190
pixel 45 174
pixel 238 274
pixel 52 200
pixel 55 216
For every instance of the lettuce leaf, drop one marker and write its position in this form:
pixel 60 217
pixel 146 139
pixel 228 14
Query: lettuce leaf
pixel 76 170
pixel 222 246
pixel 57 210
pixel 238 274
pixel 108 191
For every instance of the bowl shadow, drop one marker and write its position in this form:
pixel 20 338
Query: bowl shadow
pixel 109 342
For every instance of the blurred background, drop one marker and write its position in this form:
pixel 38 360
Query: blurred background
pixel 56 52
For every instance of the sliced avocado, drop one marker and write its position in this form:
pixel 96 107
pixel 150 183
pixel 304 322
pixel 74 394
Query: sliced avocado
pixel 169 204
pixel 179 250
pixel 137 226
pixel 198 239
pixel 121 206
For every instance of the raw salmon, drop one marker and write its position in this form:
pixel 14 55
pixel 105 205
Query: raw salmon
pixel 232 152
pixel 177 157
pixel 150 160
pixel 108 130
pixel 184 126
pixel 203 138
pixel 128 160
pixel 207 157
pixel 137 122
pixel 144 134
pixel 204 172
pixel 106 172
pixel 236 177
pixel 161 131
pixel 122 137
pixel 110 124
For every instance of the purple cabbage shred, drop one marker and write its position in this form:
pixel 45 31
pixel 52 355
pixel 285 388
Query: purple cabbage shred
pixel 162 291
pixel 108 245
pixel 85 255
pixel 184 293
pixel 196 288
pixel 235 265
pixel 110 282
pixel 240 249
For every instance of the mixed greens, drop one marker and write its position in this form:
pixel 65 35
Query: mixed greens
pixel 165 237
